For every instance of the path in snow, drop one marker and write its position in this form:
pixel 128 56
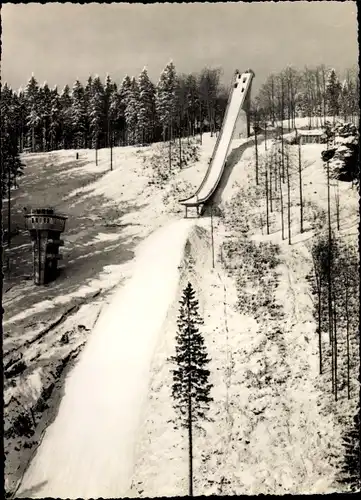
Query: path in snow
pixel 88 450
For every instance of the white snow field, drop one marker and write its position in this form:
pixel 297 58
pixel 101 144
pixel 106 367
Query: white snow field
pixel 237 98
pixel 88 450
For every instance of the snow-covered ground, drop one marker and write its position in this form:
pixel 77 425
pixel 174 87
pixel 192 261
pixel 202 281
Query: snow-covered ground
pixel 274 428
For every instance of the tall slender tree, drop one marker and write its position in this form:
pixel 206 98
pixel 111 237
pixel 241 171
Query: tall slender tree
pixel 146 107
pixel 191 387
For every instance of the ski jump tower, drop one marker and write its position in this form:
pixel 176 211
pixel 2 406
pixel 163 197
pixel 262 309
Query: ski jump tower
pixel 238 106
pixel 45 228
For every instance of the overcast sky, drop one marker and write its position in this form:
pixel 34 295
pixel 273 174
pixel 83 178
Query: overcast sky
pixel 60 42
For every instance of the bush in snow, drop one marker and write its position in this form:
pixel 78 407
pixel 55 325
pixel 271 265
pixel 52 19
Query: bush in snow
pixel 191 387
pixel 167 160
pixel 177 189
pixel 254 267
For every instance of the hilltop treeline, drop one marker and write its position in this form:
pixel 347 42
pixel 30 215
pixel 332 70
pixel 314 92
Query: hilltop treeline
pixel 97 114
pixel 314 93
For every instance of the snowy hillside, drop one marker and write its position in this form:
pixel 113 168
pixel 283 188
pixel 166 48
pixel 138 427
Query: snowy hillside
pixel 274 426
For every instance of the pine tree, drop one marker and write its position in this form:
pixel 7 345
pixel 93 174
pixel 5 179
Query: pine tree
pixel 146 107
pixel 191 387
pixel 45 112
pixel 11 166
pixel 96 108
pixel 109 88
pixel 166 99
pixel 66 117
pixel 192 103
pixel 333 92
pixel 33 119
pixel 131 113
pixel 116 116
pixel 124 93
pixel 78 115
pixel 55 120
pixel 87 98
pixel 350 472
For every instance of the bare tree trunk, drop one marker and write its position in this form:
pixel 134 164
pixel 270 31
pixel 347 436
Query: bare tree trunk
pixel 330 257
pixel 32 139
pixel 329 248
pixel 347 339
pixel 300 181
pixel 212 236
pixel 111 151
pixel 282 141
pixel 319 295
pixel 337 203
pixel 282 155
pixel 274 163
pixel 319 291
pixel 270 187
pixel 267 214
pixel 9 209
pixel 281 199
pixel 265 136
pixel 288 199
pixel 256 146
pixel 335 345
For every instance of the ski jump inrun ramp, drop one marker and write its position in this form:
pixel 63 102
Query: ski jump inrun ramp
pixel 238 99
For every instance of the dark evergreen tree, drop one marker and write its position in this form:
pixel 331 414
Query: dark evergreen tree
pixel 11 166
pixel 124 94
pixel 96 108
pixel 146 107
pixel 192 103
pixel 166 99
pixel 333 93
pixel 33 119
pixel 191 386
pixel 78 115
pixel 351 469
pixel 66 117
pixel 45 115
pixel 87 98
pixel 131 113
pixel 55 120
pixel 109 89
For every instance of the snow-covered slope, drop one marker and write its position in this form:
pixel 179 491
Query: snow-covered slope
pixel 273 427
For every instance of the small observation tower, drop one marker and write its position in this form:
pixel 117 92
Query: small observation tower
pixel 45 227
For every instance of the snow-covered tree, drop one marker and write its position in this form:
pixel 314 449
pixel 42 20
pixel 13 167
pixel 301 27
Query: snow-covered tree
pixel 45 111
pixel 131 113
pixel 33 120
pixel 87 97
pixel 191 387
pixel 146 106
pixel 192 102
pixel 78 115
pixel 96 112
pixel 55 120
pixel 166 98
pixel 11 166
pixel 208 90
pixel 109 89
pixel 66 117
